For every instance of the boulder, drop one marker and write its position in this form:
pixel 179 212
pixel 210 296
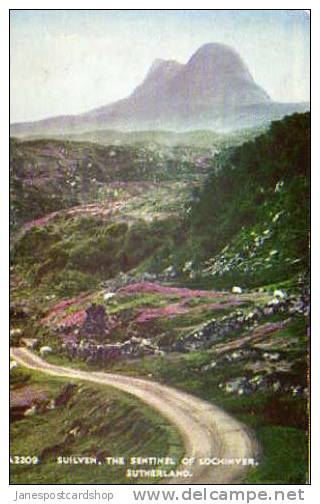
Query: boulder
pixel 210 366
pixel 45 350
pixel 97 325
pixel 279 293
pixel 108 295
pixel 233 386
pixel 31 411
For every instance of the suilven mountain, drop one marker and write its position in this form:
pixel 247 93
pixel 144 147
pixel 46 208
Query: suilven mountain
pixel 213 90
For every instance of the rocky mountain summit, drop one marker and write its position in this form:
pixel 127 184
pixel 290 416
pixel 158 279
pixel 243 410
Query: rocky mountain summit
pixel 213 90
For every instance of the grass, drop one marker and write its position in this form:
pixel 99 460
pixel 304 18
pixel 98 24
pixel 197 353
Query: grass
pixel 109 423
pixel 76 254
pixel 283 458
pixel 138 301
pixel 278 422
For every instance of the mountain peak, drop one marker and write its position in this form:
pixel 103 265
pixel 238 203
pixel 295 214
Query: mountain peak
pixel 158 63
pixel 214 89
pixel 160 72
pixel 212 47
pixel 218 57
pixel 162 65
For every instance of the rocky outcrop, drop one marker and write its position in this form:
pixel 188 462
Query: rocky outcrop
pixel 97 325
pixel 214 331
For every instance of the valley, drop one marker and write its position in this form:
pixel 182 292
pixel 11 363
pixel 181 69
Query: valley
pixel 184 265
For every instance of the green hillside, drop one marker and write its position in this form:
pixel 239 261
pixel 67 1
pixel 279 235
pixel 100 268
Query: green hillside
pixel 89 421
pixel 250 223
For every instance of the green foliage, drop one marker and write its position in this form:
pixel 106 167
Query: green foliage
pixel 249 186
pixel 69 282
pixel 34 244
pixel 73 254
pixel 19 376
pixel 98 420
pixel 283 459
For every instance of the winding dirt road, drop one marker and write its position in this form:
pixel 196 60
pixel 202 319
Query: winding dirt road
pixel 207 431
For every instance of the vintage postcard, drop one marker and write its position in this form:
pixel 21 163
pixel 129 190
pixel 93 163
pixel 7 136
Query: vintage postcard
pixel 160 230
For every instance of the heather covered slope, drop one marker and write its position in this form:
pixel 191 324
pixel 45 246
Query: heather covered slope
pixel 51 175
pixel 190 267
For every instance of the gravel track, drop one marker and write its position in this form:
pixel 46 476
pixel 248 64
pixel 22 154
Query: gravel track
pixel 207 431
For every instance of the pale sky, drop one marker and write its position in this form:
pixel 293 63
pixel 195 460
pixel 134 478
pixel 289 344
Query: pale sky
pixel 71 61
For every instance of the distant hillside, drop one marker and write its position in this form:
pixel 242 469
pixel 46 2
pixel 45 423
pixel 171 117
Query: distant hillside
pixel 48 175
pixel 213 90
pixel 196 138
